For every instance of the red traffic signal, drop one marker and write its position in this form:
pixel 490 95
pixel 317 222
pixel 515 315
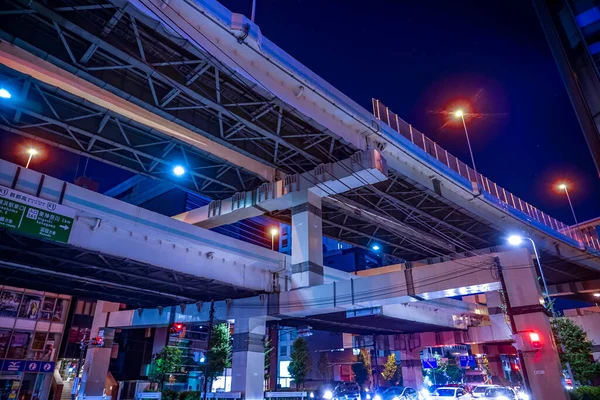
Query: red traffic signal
pixel 534 338
pixel 97 341
pixel 176 329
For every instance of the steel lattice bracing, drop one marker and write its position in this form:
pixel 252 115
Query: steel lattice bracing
pixel 64 120
pixel 123 51
pixel 67 269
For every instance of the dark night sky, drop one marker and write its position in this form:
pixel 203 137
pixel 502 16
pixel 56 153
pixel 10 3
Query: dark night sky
pixel 420 58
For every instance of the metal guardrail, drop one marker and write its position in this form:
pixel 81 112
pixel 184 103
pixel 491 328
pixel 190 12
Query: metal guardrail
pixel 382 113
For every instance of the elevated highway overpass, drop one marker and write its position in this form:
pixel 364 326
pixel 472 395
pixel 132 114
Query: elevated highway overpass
pixel 148 84
pixel 239 112
pixel 125 253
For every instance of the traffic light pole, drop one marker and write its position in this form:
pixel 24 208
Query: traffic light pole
pixel 75 388
pixel 211 322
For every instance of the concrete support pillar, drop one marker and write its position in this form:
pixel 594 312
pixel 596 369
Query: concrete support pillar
pixel 523 293
pixel 248 359
pixel 161 338
pixel 412 375
pixel 495 362
pixel 97 359
pixel 307 240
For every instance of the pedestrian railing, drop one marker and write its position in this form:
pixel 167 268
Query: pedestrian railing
pixel 506 199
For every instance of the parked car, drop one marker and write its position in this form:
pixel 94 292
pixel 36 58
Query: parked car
pixel 450 392
pixel 497 393
pixel 479 391
pixel 325 391
pixel 398 393
pixel 347 391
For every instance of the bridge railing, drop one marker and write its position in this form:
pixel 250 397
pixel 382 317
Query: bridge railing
pixel 506 199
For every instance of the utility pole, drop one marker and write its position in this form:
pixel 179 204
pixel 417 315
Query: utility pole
pixel 375 376
pixel 211 322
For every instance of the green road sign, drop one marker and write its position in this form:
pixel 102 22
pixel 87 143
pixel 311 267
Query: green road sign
pixel 33 216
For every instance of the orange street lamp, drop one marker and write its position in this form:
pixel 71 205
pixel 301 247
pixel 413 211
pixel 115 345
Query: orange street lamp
pixel 274 232
pixel 461 114
pixel 32 152
pixel 564 186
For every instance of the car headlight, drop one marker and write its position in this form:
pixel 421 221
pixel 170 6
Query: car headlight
pixel 328 395
pixel 312 395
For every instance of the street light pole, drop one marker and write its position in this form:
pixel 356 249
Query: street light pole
pixel 537 258
pixel 32 152
pixel 274 232
pixel 566 189
pixel 461 114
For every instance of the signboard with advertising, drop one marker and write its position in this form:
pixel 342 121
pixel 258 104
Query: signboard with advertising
pixel 28 366
pixel 13 366
pixel 34 216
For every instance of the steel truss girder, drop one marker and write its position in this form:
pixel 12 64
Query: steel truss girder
pixel 106 48
pixel 258 135
pixel 107 136
pixel 88 272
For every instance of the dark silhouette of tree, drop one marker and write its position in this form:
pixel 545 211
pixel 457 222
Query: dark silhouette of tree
pixel 301 363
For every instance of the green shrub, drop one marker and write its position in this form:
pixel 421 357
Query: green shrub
pixel 586 393
pixel 191 395
pixel 169 395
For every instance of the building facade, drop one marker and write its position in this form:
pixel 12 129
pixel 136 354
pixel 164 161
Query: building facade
pixel 572 28
pixel 32 324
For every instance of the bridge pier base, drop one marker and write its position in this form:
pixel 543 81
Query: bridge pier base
pixel 412 374
pixel 307 240
pixel 97 359
pixel 248 358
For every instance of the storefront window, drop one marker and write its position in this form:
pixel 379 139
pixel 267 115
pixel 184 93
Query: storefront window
pixel 30 307
pixel 37 346
pixel 8 387
pixel 60 311
pixel 47 308
pixel 19 345
pixel 51 346
pixel 9 304
pixel 4 339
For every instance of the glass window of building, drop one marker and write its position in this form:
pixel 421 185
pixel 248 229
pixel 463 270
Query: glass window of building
pixel 61 309
pixel 37 346
pixel 19 344
pixel 4 340
pixel 283 351
pixel 9 304
pixel 48 308
pixel 30 306
pixel 294 334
